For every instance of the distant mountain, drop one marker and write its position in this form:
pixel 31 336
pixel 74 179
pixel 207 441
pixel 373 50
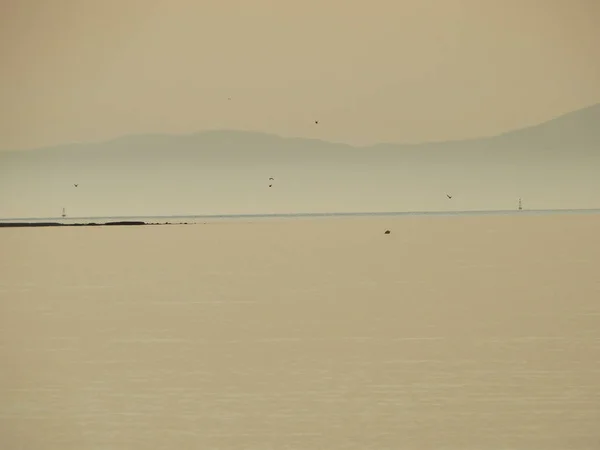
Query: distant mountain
pixel 555 165
pixel 573 134
pixel 579 129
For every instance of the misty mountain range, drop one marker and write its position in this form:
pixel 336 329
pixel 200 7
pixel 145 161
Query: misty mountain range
pixel 552 165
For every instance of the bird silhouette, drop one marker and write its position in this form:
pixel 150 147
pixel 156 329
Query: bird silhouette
pixel 316 122
pixel 76 185
pixel 449 196
pixel 272 178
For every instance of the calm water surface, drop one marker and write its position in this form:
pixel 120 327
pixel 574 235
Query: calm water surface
pixel 477 333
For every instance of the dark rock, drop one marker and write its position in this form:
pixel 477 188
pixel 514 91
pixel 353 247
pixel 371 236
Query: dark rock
pixel 126 223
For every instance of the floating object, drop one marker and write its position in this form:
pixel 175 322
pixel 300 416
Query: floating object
pixel 387 232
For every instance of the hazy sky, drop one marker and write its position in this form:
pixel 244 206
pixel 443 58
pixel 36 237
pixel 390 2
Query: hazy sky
pixel 382 70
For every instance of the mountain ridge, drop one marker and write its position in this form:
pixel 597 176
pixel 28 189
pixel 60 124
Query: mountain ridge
pixel 581 123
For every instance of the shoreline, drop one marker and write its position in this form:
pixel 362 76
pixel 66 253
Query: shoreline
pixel 254 218
pixel 58 224
pixel 204 218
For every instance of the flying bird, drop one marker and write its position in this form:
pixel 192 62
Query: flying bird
pixel 272 178
pixel 76 185
pixel 449 196
pixel 316 122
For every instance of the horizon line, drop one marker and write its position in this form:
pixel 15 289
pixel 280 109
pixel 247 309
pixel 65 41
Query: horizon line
pixel 320 214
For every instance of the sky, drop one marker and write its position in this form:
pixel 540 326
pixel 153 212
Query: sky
pixel 376 71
